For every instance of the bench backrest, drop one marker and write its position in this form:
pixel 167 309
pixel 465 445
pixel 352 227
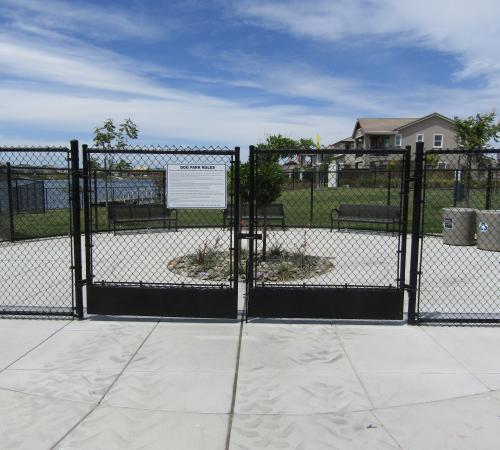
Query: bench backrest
pixel 369 211
pixel 129 211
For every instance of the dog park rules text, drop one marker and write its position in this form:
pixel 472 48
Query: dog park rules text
pixel 196 186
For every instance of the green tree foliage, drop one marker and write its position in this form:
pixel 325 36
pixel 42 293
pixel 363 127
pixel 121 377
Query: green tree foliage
pixel 477 131
pixel 108 136
pixel 121 165
pixel 269 179
pixel 94 164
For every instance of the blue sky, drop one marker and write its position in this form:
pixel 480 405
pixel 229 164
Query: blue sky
pixel 219 72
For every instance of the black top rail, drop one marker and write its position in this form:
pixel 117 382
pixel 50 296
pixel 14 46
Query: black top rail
pixel 164 150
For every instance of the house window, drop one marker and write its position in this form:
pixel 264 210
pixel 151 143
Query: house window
pixel 420 138
pixel 397 140
pixel 438 141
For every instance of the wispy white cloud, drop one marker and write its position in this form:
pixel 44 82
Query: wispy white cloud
pixel 466 29
pixel 75 17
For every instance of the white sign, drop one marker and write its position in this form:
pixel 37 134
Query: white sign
pixel 196 186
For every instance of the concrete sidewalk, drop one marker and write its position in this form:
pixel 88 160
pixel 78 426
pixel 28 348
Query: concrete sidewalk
pixel 105 384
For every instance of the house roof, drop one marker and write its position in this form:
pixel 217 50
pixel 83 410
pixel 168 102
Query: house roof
pixel 347 139
pixel 381 125
pixel 435 114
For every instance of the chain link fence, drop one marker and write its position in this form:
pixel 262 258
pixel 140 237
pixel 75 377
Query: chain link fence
pixel 36 272
pixel 142 235
pixel 459 276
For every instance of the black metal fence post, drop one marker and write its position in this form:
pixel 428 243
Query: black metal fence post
pixel 311 209
pixel 415 238
pixel 87 219
pixel 11 203
pixel 404 215
pixel 488 188
pixel 76 232
pixel 236 214
pixel 251 224
pixel 96 202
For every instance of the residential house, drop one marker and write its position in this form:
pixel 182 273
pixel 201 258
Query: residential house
pixel 434 130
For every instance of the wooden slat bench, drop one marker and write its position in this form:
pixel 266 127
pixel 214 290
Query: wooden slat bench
pixel 275 215
pixel 383 214
pixel 126 213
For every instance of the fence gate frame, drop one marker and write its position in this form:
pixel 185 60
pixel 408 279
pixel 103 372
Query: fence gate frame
pixel 74 307
pixel 162 299
pixel 416 312
pixel 356 302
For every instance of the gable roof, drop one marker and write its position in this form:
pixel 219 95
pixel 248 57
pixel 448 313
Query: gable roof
pixel 435 114
pixel 347 139
pixel 390 125
pixel 381 124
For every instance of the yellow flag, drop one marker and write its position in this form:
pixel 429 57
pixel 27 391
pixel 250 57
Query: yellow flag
pixel 318 140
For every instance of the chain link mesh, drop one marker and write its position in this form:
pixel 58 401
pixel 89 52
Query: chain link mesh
pixel 137 239
pixel 460 244
pixel 340 225
pixel 35 232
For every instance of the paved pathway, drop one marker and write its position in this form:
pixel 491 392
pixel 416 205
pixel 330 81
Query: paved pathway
pixel 175 385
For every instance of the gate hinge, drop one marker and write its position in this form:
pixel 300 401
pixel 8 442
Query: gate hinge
pixel 249 236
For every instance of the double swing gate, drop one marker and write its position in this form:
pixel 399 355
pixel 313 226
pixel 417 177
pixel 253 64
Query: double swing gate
pixel 183 232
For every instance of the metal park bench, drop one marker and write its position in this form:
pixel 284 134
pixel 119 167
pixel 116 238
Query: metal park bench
pixel 383 214
pixel 275 214
pixel 126 213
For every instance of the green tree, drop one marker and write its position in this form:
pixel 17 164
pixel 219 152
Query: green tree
pixel 269 179
pixel 110 137
pixel 121 165
pixel 94 164
pixel 472 133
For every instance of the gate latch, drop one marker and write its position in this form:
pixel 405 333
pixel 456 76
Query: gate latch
pixel 250 236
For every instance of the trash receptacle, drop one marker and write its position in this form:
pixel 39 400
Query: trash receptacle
pixel 488 230
pixel 458 192
pixel 459 225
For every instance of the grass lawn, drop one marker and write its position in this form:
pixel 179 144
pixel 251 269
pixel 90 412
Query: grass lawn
pixel 297 204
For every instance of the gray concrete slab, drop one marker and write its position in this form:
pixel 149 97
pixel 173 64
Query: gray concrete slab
pixel 403 349
pixel 464 423
pixel 19 336
pixel 208 392
pixel 121 428
pixel 35 422
pixel 149 384
pixel 317 432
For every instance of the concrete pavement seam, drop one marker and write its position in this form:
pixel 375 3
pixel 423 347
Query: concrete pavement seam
pixel 364 388
pixel 109 388
pixel 235 387
pixel 456 359
pixel 36 346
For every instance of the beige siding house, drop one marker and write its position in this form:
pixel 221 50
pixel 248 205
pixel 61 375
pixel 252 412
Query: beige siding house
pixel 435 131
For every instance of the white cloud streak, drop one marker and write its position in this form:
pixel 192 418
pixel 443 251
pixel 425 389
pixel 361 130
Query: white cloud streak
pixel 466 29
pixel 77 18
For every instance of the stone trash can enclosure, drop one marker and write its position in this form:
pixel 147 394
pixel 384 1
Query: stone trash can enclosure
pixel 488 230
pixel 459 226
